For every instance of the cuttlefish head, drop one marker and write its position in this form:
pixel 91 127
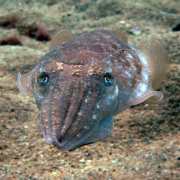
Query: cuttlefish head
pixel 76 102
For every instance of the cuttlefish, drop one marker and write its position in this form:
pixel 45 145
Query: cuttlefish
pixel 82 82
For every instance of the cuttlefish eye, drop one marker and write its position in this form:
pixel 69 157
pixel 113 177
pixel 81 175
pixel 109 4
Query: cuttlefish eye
pixel 43 79
pixel 108 79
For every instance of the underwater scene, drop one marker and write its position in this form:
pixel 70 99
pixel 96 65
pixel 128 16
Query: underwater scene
pixel 89 89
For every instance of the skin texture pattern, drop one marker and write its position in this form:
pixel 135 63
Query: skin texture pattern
pixel 82 82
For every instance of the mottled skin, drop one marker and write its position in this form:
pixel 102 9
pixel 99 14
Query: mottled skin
pixel 87 81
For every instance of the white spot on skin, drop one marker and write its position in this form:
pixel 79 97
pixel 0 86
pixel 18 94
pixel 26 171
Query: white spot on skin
pixel 79 114
pixel 112 96
pixel 116 91
pixel 48 140
pixel 97 106
pixel 86 127
pixel 109 70
pixel 129 56
pixel 142 87
pixel 41 70
pixel 128 74
pixel 43 110
pixel 142 58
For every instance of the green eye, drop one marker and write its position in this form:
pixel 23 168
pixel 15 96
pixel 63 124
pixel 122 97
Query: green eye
pixel 108 79
pixel 43 79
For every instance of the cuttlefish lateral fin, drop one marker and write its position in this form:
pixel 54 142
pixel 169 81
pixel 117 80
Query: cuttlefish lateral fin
pixel 120 34
pixel 158 64
pixel 24 81
pixel 60 38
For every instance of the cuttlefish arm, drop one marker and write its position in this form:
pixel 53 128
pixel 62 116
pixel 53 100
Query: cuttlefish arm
pixel 158 65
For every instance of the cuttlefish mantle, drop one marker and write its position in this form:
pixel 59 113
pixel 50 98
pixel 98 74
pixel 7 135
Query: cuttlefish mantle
pixel 82 82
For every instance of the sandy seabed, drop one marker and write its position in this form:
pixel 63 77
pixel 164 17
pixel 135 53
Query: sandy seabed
pixel 145 143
